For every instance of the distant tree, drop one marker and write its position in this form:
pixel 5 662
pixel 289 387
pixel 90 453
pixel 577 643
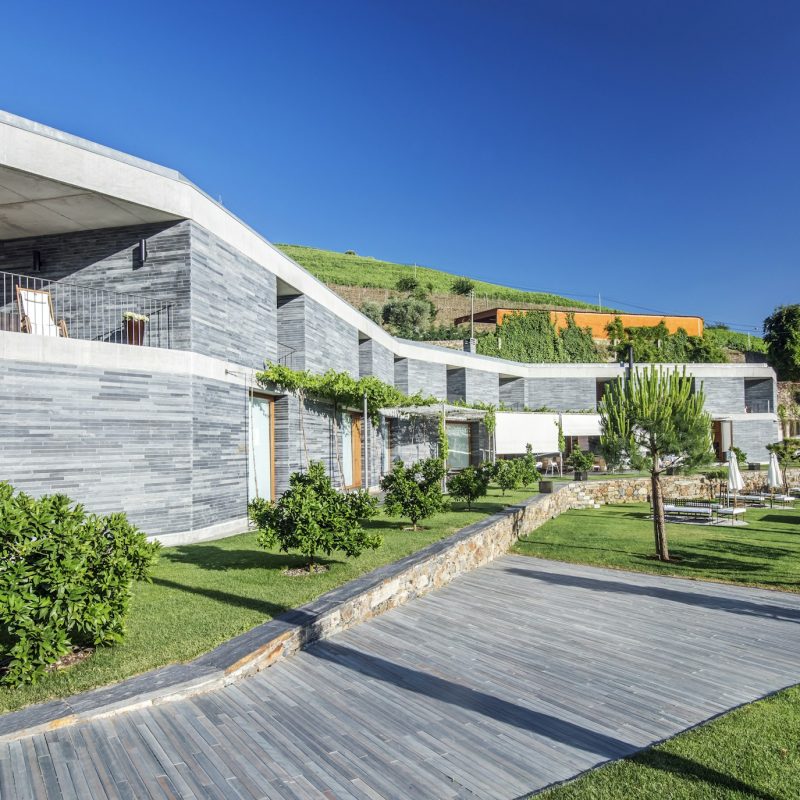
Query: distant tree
pixel 372 310
pixel 350 253
pixel 407 315
pixel 463 286
pixel 787 451
pixel 415 491
pixel 312 517
pixel 407 283
pixel 655 420
pixel 470 484
pixel 782 335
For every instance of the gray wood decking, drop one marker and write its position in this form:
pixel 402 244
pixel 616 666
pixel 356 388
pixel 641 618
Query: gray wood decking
pixel 517 675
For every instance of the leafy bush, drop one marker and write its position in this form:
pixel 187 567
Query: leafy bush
pixel 407 283
pixel 580 461
pixel 65 580
pixel 372 310
pixel 408 316
pixel 655 344
pixel 462 286
pixel 312 517
pixel 470 484
pixel 414 491
pixel 528 471
pixel 741 456
pixel 507 474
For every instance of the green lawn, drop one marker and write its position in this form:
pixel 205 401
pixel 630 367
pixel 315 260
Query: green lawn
pixel 203 594
pixel 765 553
pixel 332 267
pixel 751 753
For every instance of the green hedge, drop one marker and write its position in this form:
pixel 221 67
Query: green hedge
pixel 65 580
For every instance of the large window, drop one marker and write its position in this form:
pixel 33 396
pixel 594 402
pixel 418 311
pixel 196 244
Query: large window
pixel 459 445
pixel 260 468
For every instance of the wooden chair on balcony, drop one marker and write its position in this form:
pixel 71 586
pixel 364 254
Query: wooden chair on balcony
pixel 36 313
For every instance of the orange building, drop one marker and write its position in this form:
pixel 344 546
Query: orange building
pixel 596 321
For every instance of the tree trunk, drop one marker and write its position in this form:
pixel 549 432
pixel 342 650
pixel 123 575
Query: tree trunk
pixel 659 526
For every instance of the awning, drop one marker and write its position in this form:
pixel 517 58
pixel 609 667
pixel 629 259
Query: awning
pixel 580 424
pixel 516 430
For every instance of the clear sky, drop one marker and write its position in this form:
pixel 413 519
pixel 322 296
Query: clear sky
pixel 644 150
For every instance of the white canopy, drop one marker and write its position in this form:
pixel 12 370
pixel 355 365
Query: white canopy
pixel 580 424
pixel 515 430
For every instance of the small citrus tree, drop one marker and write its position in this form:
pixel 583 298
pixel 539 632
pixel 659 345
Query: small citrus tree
pixel 528 471
pixel 313 517
pixel 470 484
pixel 414 491
pixel 654 419
pixel 785 451
pixel 507 474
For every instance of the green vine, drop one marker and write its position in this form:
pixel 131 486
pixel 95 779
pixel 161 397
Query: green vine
pixel 444 445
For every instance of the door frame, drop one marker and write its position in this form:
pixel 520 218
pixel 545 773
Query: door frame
pixel 251 395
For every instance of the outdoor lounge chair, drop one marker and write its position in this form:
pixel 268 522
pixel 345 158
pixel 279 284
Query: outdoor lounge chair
pixel 36 314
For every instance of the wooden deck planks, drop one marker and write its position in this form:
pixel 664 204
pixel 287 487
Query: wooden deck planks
pixel 514 676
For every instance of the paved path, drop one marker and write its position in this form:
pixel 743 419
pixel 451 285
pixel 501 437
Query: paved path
pixel 514 676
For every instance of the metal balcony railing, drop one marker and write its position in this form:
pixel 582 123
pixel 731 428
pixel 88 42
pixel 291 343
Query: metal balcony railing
pixel 60 308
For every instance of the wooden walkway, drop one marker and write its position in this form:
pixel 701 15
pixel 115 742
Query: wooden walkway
pixel 515 676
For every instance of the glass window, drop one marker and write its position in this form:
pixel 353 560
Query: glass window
pixel 458 444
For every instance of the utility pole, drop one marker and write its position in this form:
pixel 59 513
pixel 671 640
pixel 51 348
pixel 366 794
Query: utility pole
pixel 472 313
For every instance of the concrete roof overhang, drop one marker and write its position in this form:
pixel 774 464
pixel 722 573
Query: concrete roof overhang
pixel 33 205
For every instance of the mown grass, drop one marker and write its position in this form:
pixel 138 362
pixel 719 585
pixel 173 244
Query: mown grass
pixel 764 553
pixel 752 753
pixel 331 267
pixel 203 594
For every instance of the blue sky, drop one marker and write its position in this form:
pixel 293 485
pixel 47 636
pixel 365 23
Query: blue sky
pixel 647 151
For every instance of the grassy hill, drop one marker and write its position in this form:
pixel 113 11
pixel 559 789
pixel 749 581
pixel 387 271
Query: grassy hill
pixel 354 270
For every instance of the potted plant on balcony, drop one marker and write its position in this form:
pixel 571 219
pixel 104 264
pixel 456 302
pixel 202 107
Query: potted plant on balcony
pixel 580 462
pixel 134 326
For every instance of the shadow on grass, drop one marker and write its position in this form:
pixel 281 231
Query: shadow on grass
pixel 710 601
pixel 264 607
pixel 215 558
pixel 695 771
pixel 781 519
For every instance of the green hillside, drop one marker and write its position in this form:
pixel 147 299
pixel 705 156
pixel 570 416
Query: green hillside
pixel 354 270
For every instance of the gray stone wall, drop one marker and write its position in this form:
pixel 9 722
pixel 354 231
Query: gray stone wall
pixel 413 439
pixel 319 339
pixel 113 440
pixel 375 359
pixel 107 260
pixel 472 386
pixel 233 303
pixel 562 394
pixel 512 393
pixel 753 436
pixel 219 452
pixel 723 395
pixel 412 376
pixel 761 395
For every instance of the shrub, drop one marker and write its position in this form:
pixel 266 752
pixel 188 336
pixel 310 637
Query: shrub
pixel 65 580
pixel 741 456
pixel 408 315
pixel 372 310
pixel 407 283
pixel 462 286
pixel 312 517
pixel 580 461
pixel 414 491
pixel 507 474
pixel 350 253
pixel 528 471
pixel 470 484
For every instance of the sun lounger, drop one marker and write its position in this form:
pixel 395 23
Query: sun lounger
pixel 36 313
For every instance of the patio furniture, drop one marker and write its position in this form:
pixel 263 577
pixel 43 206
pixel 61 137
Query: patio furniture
pixel 695 512
pixel 36 314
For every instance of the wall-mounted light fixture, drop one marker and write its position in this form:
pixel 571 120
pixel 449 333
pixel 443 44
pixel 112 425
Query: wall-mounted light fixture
pixel 37 261
pixel 142 250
